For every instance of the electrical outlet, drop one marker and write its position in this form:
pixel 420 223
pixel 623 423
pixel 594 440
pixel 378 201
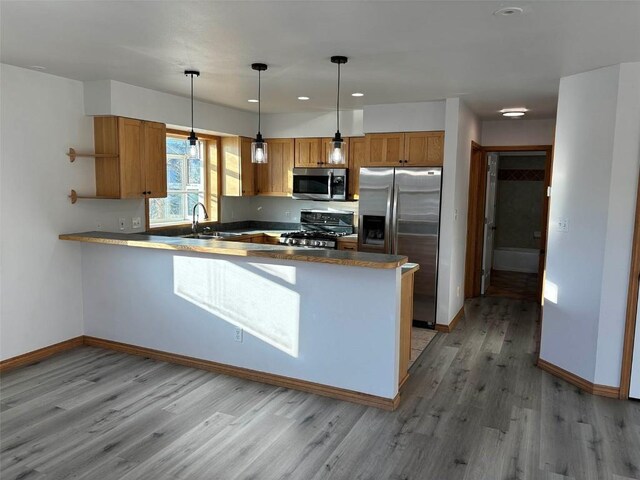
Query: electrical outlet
pixel 238 334
pixel 562 225
pixel 287 214
pixel 136 222
pixel 121 223
pixel 99 227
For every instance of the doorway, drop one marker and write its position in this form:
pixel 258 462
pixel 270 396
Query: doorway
pixel 507 221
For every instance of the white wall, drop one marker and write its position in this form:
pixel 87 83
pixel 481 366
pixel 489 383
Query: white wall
pixel 300 125
pixel 405 117
pixel 108 97
pixel 595 176
pixel 275 209
pixel 41 116
pixel 462 127
pixel 518 132
pixel 190 304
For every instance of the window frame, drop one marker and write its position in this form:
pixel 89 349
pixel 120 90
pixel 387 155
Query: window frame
pixel 212 145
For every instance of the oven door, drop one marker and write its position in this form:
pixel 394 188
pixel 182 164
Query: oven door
pixel 319 184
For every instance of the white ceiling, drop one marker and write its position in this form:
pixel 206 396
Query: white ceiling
pixel 398 51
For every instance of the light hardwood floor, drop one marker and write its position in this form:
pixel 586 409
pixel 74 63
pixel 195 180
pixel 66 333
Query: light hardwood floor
pixel 475 407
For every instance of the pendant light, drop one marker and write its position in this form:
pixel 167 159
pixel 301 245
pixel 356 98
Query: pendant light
pixel 337 150
pixel 193 140
pixel 259 151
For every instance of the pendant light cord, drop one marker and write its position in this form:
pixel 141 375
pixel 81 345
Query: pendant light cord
pixel 338 102
pixel 192 102
pixel 259 100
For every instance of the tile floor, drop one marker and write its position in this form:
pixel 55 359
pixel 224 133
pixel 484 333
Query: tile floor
pixel 420 338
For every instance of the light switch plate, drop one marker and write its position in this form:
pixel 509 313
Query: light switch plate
pixel 136 222
pixel 121 223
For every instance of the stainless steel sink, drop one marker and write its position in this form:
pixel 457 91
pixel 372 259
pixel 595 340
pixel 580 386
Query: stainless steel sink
pixel 212 235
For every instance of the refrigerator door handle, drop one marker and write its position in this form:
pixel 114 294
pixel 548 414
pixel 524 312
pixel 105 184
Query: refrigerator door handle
pixel 394 220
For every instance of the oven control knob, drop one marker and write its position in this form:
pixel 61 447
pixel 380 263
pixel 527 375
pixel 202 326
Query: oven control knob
pixel 291 241
pixel 321 243
pixel 304 242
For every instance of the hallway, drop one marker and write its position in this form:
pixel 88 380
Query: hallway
pixel 475 407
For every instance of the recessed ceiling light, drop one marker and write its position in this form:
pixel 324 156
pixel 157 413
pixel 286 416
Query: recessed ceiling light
pixel 357 94
pixel 509 11
pixel 303 98
pixel 38 67
pixel 252 100
pixel 513 112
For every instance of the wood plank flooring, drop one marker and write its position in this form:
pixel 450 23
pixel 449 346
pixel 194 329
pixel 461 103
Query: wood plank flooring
pixel 475 407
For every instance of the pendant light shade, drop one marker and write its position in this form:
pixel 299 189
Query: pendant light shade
pixel 259 148
pixel 193 151
pixel 336 154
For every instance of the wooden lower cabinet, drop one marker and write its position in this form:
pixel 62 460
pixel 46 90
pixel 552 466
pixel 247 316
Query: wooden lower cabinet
pixel 276 176
pixel 347 244
pixel 406 322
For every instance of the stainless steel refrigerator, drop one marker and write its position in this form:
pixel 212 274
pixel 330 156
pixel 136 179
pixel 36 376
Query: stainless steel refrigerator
pixel 399 213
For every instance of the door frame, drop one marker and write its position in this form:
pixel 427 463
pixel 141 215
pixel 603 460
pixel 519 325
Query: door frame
pixel 476 212
pixel 632 307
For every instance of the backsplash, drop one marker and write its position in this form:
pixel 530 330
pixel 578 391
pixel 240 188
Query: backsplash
pixel 274 209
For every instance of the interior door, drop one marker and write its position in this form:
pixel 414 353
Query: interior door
pixel 490 219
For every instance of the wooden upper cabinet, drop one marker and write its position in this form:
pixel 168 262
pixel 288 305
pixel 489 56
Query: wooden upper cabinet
pixel 140 169
pixel 308 152
pixel 356 160
pixel 326 147
pixel 276 176
pixel 237 169
pixel 424 148
pixel 384 149
pixel 155 159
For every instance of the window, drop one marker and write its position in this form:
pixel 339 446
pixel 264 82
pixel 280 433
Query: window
pixel 186 184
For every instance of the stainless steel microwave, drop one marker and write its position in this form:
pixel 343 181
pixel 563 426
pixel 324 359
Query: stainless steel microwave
pixel 320 184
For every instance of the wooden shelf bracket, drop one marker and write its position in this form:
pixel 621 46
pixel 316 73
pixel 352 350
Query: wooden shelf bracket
pixel 72 154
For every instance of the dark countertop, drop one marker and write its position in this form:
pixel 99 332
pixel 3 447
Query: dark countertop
pixel 227 247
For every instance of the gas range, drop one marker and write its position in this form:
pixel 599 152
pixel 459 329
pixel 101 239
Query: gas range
pixel 320 229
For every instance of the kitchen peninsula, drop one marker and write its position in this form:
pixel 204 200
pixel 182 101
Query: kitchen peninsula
pixel 325 321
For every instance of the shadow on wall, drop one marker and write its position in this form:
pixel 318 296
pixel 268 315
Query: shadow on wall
pixel 220 287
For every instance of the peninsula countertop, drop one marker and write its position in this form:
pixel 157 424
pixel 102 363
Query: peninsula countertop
pixel 227 247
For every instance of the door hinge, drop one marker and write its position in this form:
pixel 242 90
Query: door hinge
pixel 549 191
pixel 482 271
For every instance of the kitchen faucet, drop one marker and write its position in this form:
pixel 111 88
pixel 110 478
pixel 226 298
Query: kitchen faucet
pixel 194 222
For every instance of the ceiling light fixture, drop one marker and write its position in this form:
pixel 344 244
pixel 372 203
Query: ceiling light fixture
pixel 193 140
pixel 357 94
pixel 508 11
pixel 259 146
pixel 303 98
pixel 337 150
pixel 513 112
pixel 253 100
